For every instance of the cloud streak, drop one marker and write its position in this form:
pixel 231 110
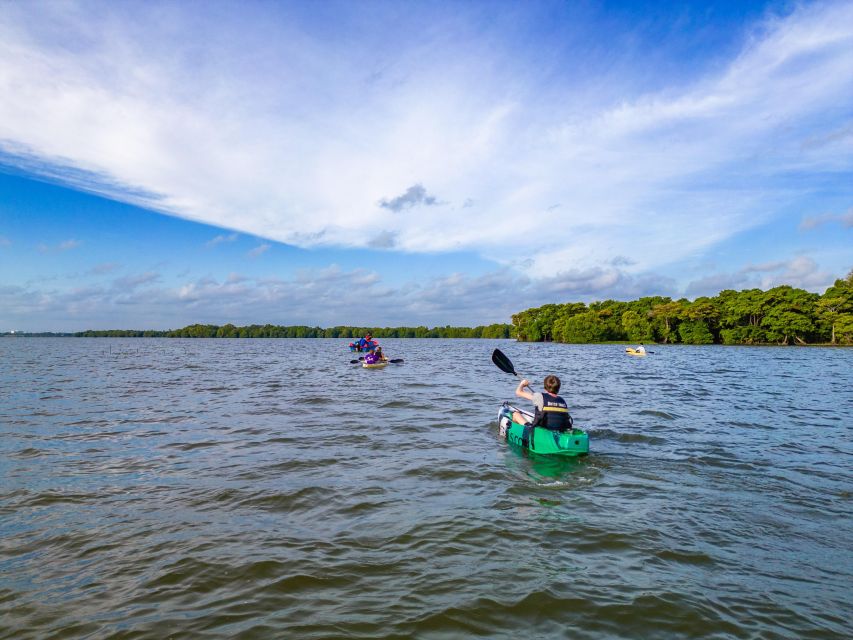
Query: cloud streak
pixel 813 222
pixel 65 245
pixel 222 239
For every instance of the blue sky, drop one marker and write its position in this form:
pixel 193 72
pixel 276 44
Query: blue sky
pixel 384 163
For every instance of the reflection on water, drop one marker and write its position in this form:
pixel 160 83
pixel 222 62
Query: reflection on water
pixel 268 488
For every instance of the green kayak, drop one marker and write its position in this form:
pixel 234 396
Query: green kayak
pixel 574 442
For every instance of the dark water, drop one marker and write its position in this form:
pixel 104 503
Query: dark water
pixel 268 489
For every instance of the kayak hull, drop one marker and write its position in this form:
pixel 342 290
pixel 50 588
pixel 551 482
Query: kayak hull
pixel 634 352
pixel 542 441
pixel 375 365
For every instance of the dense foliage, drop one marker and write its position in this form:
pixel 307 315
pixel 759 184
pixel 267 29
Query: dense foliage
pixel 275 331
pixel 782 315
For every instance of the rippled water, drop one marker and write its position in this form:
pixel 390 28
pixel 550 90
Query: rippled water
pixel 267 488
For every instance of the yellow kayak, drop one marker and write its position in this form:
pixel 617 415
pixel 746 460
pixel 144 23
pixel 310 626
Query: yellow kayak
pixel 375 365
pixel 634 352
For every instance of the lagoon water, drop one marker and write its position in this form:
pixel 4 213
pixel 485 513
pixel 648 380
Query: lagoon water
pixel 157 488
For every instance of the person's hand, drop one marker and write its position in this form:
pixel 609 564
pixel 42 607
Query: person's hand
pixel 524 383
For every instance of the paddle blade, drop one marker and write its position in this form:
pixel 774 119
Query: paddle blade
pixel 396 361
pixel 502 362
pixel 353 361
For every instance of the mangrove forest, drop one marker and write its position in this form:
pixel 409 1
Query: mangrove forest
pixel 782 315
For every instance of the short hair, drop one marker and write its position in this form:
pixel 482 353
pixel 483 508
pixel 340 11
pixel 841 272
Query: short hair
pixel 552 384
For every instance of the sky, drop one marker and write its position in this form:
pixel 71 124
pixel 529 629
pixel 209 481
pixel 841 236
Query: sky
pixel 418 163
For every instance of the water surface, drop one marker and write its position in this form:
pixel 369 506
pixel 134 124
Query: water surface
pixel 158 488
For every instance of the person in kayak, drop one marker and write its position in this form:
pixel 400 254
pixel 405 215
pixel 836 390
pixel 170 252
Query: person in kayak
pixel 551 411
pixel 375 357
pixel 366 343
pixel 640 349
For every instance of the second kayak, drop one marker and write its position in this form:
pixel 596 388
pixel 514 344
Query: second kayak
pixel 634 352
pixel 375 365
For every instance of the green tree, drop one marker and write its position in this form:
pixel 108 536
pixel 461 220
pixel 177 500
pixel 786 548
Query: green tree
pixel 637 326
pixel 699 322
pixel 835 303
pixel 668 313
pixel 226 331
pixel 789 314
pixel 584 327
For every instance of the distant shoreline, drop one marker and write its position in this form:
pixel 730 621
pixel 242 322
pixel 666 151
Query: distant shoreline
pixel 491 331
pixel 656 345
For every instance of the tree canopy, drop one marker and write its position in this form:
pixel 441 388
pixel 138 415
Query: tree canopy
pixel 781 315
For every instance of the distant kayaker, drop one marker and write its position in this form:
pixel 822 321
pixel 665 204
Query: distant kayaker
pixel 366 343
pixel 640 349
pixel 551 411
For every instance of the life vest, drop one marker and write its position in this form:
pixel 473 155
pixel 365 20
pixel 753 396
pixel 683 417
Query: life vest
pixel 371 358
pixel 554 414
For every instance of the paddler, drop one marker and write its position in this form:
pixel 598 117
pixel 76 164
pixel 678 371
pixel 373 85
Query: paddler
pixel 366 343
pixel 551 411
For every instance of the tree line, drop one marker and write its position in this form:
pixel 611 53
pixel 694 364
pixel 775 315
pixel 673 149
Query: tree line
pixel 276 331
pixel 781 315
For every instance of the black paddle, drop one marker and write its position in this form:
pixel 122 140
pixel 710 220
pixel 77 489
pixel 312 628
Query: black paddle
pixel 503 363
pixel 394 361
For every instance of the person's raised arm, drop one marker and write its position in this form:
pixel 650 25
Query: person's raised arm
pixel 523 390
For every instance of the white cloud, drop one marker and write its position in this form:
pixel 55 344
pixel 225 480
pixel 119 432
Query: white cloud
pixel 333 296
pixel 800 271
pixel 326 297
pixel 313 141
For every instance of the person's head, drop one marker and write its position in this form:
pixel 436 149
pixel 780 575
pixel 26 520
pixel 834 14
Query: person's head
pixel 378 349
pixel 367 336
pixel 552 384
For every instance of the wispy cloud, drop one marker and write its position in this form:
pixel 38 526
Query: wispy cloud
pixel 104 268
pixel 813 222
pixel 65 245
pixel 222 239
pixel 334 129
pixel 259 250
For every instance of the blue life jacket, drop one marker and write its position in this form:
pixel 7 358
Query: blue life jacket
pixel 554 414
